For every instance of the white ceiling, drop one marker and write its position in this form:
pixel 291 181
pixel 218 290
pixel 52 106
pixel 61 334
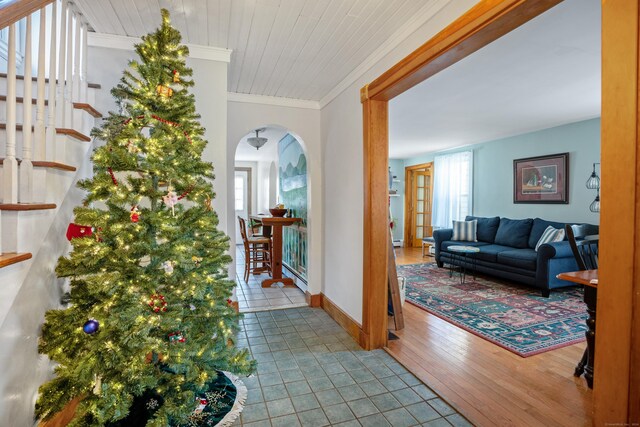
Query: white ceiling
pixel 268 152
pixel 543 74
pixel 287 48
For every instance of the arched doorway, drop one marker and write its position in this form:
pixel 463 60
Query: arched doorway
pixel 264 176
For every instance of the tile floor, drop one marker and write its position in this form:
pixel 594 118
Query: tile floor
pixel 252 297
pixel 311 373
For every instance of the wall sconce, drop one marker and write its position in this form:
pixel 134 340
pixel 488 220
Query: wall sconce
pixel 593 183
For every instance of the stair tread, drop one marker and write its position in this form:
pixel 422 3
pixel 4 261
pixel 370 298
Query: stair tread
pixel 26 206
pixel 77 105
pixel 47 164
pixel 9 258
pixel 88 108
pixel 64 131
pixel 35 79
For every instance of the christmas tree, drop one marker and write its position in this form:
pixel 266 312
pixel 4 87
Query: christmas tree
pixel 150 309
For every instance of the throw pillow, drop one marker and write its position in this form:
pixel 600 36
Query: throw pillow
pixel 550 235
pixel 487 227
pixel 465 231
pixel 514 232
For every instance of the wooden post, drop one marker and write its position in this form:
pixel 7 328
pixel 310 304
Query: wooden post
pixel 376 221
pixel 10 164
pixel 616 388
pixel 25 181
pixel 394 288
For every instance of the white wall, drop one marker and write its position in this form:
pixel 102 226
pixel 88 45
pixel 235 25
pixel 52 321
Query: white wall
pixel 304 124
pixel 341 125
pixel 264 187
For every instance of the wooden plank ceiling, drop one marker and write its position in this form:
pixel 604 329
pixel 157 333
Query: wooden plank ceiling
pixel 288 48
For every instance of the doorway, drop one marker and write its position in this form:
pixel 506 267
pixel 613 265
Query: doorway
pixel 242 199
pixel 616 395
pixel 418 204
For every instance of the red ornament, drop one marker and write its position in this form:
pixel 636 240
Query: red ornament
pixel 75 230
pixel 135 214
pixel 113 177
pixel 175 337
pixel 157 303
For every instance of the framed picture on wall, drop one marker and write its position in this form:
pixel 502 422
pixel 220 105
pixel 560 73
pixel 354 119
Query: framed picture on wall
pixel 543 179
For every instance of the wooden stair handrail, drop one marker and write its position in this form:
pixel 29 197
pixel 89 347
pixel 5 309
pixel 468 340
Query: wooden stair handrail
pixel 18 9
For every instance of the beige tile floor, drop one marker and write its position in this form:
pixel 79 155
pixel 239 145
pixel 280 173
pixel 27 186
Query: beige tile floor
pixel 252 297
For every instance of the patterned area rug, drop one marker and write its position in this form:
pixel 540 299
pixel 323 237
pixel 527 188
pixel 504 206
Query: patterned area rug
pixel 509 315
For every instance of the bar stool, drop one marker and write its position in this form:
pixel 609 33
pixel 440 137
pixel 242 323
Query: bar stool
pixel 257 250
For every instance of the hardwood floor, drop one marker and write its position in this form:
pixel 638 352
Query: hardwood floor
pixel 490 385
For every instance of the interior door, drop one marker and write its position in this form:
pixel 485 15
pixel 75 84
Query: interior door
pixel 242 182
pixel 419 205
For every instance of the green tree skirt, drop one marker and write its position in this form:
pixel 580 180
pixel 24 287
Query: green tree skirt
pixel 220 405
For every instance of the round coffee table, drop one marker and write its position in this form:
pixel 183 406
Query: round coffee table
pixel 461 253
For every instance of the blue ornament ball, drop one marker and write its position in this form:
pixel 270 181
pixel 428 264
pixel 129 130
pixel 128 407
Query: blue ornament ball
pixel 91 326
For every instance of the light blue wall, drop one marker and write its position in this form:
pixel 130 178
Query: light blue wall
pixel 493 171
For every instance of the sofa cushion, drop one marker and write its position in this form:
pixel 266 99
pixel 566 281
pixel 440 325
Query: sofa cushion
pixel 465 231
pixel 487 227
pixel 514 232
pixel 538 227
pixel 521 258
pixel 489 252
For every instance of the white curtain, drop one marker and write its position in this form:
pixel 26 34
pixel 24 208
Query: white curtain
pixel 452 188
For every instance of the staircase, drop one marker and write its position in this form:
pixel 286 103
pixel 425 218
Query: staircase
pixel 45 119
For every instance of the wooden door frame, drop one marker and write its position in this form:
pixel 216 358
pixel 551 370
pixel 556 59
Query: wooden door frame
pixel 617 377
pixel 408 196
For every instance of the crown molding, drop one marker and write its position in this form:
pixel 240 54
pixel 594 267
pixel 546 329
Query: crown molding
pixel 126 43
pixel 272 100
pixel 418 20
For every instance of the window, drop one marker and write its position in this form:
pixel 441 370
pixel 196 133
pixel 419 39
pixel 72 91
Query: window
pixel 452 188
pixel 4 44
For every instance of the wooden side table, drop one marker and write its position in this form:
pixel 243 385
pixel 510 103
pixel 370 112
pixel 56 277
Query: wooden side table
pixel 588 278
pixel 276 225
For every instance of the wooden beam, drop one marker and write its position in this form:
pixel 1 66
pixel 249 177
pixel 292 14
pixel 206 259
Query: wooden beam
pixel 482 24
pixel 376 221
pixel 617 375
pixel 18 9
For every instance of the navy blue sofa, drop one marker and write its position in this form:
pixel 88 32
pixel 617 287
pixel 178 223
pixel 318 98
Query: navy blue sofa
pixel 507 250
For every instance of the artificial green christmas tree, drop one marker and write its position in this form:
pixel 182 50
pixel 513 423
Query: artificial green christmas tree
pixel 149 308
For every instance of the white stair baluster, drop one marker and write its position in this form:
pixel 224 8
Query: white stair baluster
pixel 39 152
pixel 25 180
pixel 60 107
pixel 85 64
pixel 10 164
pixel 68 80
pixel 50 144
pixel 76 60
